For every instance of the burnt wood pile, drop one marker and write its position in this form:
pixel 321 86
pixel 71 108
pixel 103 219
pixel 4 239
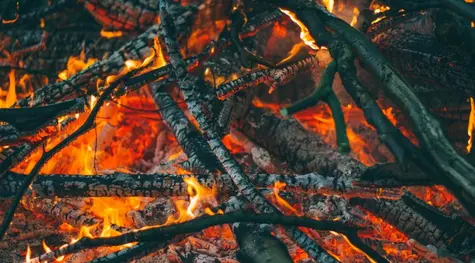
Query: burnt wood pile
pixel 237 131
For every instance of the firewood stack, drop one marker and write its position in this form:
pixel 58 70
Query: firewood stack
pixel 237 131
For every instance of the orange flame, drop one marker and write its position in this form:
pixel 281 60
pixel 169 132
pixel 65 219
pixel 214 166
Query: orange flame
pixel 281 201
pixel 11 96
pixel 198 195
pixel 304 32
pixel 75 65
pixel 329 5
pixel 471 125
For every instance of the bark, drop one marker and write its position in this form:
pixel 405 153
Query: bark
pixel 33 122
pixel 136 15
pixel 137 49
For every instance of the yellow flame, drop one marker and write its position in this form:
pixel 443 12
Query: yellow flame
pixel 75 65
pixel 304 33
pixel 28 253
pixel 354 20
pixel 471 124
pixel 329 5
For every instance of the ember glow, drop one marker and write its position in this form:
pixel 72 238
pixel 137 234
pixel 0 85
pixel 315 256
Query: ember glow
pixel 131 139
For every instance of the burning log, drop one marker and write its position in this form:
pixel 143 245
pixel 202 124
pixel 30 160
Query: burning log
pixel 276 77
pixel 169 185
pixel 458 173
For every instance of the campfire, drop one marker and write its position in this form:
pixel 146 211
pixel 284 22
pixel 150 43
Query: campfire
pixel 237 131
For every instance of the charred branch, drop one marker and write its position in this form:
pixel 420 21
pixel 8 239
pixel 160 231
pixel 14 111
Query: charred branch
pixel 200 157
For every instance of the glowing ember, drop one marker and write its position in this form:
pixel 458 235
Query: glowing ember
pixel 111 34
pixel 304 33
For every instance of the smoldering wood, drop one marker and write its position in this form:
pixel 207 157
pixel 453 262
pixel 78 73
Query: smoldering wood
pixel 425 230
pixel 458 173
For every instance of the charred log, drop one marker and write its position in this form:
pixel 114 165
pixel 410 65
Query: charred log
pixel 404 215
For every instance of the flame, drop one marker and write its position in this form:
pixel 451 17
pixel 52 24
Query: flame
pixel 329 5
pixel 233 145
pixel 354 20
pixel 75 65
pixel 281 201
pixel 28 253
pixel 304 32
pixel 11 94
pixel 111 34
pixel 199 195
pixel 378 8
pixel 471 125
